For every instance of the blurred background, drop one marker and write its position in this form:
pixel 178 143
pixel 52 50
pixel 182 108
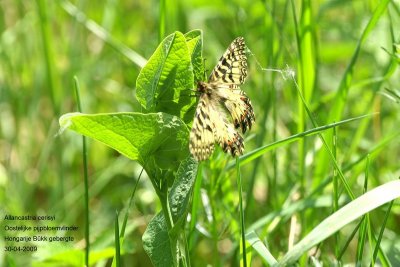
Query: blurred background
pixel 104 44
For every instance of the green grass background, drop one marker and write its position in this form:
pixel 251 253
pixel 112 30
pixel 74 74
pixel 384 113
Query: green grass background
pixel 346 64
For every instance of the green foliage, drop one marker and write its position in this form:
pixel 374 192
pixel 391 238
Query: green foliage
pixel 181 190
pixel 321 135
pixel 156 242
pixel 164 82
pixel 155 140
pixel 158 141
pixel 355 209
pixel 160 241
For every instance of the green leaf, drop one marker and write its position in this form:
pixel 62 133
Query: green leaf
pixel 194 41
pixel 180 193
pixel 157 138
pixel 165 82
pixel 157 243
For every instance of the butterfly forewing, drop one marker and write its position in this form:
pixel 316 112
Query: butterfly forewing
pixel 219 96
pixel 232 66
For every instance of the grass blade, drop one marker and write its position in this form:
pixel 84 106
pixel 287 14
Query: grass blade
pixel 117 242
pixel 356 208
pixel 242 227
pixel 129 205
pixel 366 222
pixel 345 83
pixel 85 179
pixel 249 157
pixel 260 248
pixel 103 34
pixel 378 242
pixel 48 53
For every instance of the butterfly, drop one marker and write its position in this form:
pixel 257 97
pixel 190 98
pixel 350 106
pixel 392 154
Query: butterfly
pixel 223 108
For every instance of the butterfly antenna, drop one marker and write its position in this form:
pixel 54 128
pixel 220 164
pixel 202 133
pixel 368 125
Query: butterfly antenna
pixel 205 70
pixel 287 73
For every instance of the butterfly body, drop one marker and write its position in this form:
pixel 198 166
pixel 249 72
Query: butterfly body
pixel 219 97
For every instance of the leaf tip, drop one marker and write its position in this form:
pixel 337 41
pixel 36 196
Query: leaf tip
pixel 65 121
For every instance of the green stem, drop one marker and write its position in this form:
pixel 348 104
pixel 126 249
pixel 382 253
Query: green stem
pixel 242 227
pixel 117 242
pixel 85 179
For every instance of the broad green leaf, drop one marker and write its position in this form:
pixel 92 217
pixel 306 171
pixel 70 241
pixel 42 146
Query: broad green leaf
pixel 157 138
pixel 355 209
pixel 194 41
pixel 181 191
pixel 165 82
pixel 157 242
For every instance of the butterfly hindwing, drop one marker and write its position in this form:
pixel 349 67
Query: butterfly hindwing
pixel 211 126
pixel 226 135
pixel 239 106
pixel 202 136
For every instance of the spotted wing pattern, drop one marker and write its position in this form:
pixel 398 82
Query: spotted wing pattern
pixel 211 125
pixel 238 105
pixel 232 66
pixel 202 135
pixel 219 97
